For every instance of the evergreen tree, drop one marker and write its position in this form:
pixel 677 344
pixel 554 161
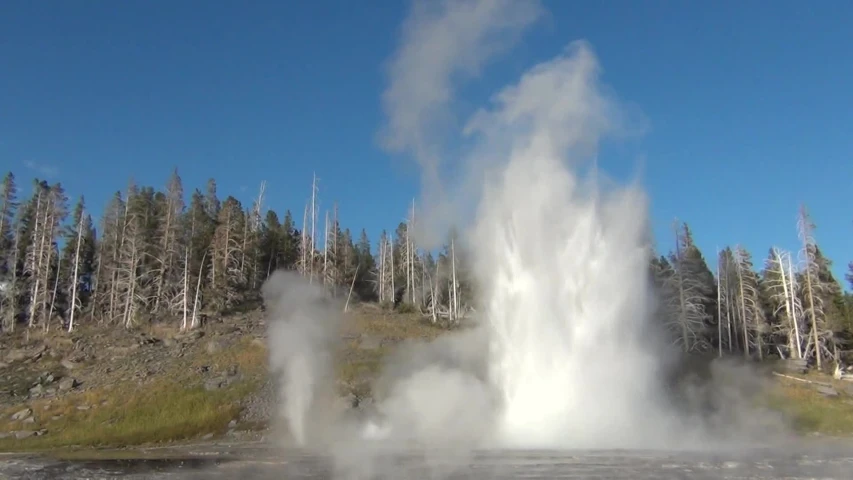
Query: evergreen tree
pixel 226 278
pixel 691 290
pixel 366 265
pixel 289 242
pixel 8 207
pixel 78 255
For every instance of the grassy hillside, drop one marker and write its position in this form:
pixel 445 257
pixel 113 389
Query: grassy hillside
pixel 160 385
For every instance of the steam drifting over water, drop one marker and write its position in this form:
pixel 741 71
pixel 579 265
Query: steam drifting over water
pixel 563 356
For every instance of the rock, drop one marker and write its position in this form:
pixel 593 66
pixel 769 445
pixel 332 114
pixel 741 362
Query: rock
pixel 347 402
pixel 827 391
pixel 5 434
pixel 216 383
pixel 37 390
pixel 232 424
pixel 29 420
pixel 190 336
pixel 49 378
pixel 21 414
pixel 68 364
pixel 83 407
pixel 38 352
pixel 16 355
pixel 146 340
pixel 795 365
pixel 20 435
pixel 213 346
pixel 169 342
pixel 232 371
pixel 259 342
pixel 3 365
pixel 370 342
pixel 67 383
pixel 207 437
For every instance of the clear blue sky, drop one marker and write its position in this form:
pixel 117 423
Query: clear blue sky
pixel 749 102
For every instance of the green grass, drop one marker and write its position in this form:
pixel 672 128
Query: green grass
pixel 394 327
pixel 174 407
pixel 171 408
pixel 124 416
pixel 811 412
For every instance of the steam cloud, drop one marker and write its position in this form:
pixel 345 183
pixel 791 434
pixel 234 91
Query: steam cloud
pixel 304 328
pixel 564 354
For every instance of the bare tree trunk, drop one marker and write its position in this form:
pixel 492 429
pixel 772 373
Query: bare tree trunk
pixel 743 317
pixel 793 316
pixel 719 306
pixel 338 271
pixel 197 291
pixel 351 287
pixel 326 271
pixel 805 231
pixel 129 309
pixel 53 296
pixel 313 225
pixel 36 261
pixel 10 318
pixel 813 315
pixel 381 270
pixel 410 253
pixel 682 298
pixel 454 299
pixel 75 276
pixel 186 291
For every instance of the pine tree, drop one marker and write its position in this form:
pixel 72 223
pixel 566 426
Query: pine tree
pixel 812 298
pixel 781 291
pixel 838 318
pixel 105 287
pixel 8 208
pixel 78 255
pixel 850 274
pixel 169 249
pixel 366 265
pixel 749 311
pixel 270 254
pixel 691 290
pixel 289 238
pixel 226 277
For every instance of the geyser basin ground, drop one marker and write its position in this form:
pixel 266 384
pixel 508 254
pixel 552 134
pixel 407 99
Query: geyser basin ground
pixel 256 462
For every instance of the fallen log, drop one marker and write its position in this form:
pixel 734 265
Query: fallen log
pixel 789 377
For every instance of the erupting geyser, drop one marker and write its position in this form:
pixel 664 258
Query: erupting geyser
pixel 563 356
pixel 563 268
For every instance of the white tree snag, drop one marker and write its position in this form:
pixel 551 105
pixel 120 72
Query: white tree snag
pixel 75 275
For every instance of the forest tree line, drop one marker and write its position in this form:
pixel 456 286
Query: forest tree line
pixel 154 257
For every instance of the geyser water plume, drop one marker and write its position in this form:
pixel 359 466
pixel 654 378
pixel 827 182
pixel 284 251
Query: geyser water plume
pixel 563 269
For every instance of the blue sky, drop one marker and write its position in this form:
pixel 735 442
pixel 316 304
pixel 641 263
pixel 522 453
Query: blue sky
pixel 749 104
